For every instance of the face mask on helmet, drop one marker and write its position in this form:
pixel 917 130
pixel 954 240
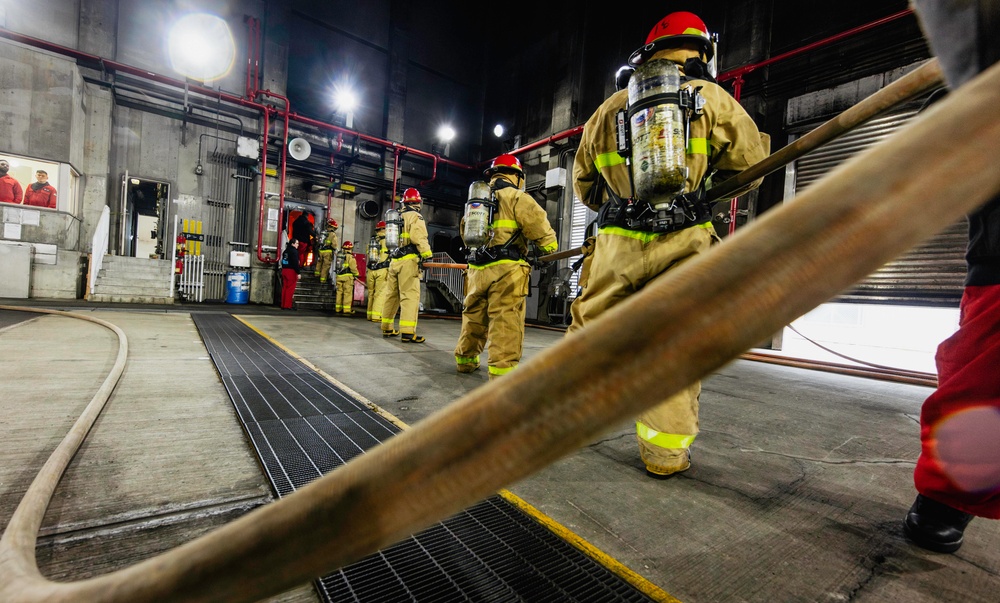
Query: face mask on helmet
pixel 698 69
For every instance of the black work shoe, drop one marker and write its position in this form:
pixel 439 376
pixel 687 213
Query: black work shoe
pixel 388 334
pixel 410 338
pixel 935 526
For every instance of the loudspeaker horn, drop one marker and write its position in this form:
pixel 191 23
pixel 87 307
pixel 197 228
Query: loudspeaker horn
pixel 299 149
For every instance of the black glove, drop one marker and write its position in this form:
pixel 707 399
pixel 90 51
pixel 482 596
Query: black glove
pixel 533 258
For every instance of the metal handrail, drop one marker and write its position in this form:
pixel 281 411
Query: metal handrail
pixel 693 319
pixel 98 248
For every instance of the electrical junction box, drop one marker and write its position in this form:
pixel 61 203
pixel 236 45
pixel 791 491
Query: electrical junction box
pixel 555 177
pixel 247 147
pixel 239 259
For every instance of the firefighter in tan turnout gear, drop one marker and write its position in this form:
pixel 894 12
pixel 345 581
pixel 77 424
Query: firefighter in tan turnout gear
pixel 406 238
pixel 326 250
pixel 347 271
pixel 500 218
pixel 377 272
pixel 648 190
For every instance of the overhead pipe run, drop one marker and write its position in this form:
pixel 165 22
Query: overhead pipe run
pixel 738 73
pixel 107 65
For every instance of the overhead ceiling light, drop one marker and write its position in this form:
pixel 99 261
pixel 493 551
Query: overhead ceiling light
pixel 446 133
pixel 201 47
pixel 344 98
pixel 498 130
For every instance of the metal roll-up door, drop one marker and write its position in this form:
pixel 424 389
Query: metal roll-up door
pixel 930 274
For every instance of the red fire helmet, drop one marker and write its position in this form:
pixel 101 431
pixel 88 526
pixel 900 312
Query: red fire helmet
pixel 672 30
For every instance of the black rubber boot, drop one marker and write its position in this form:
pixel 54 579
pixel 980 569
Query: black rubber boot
pixel 935 526
pixel 388 334
pixel 411 338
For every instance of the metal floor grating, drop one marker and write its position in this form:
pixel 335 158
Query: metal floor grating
pixel 303 426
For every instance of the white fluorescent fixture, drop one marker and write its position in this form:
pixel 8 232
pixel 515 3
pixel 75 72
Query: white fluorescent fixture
pixel 498 130
pixel 201 47
pixel 446 134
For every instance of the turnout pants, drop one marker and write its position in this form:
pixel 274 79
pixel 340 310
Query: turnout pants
pixel 402 293
pixel 494 310
pixel 622 263
pixel 376 280
pixel 323 264
pixel 345 294
pixel 959 462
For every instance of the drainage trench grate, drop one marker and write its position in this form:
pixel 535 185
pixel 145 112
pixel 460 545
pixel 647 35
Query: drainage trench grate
pixel 302 426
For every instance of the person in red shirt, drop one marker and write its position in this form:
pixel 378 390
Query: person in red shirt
pixel 10 188
pixel 41 193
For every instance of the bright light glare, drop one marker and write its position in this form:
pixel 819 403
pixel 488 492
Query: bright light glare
pixel 201 47
pixel 446 134
pixel 498 130
pixel 345 99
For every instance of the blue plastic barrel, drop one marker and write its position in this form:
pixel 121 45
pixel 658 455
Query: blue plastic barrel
pixel 237 287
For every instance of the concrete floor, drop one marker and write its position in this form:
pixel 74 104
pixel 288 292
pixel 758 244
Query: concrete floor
pixel 799 483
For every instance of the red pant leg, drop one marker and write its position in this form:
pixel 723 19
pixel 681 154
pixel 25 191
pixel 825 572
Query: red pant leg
pixel 959 463
pixel 288 281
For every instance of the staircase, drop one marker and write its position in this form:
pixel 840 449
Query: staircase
pixel 444 298
pixel 310 294
pixel 128 280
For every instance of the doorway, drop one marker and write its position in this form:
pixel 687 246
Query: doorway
pixel 144 229
pixel 300 222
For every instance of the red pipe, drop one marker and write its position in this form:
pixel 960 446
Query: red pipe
pixel 260 209
pixel 741 71
pixel 538 143
pixel 381 142
pixel 284 160
pixel 395 171
pixel 257 52
pixel 246 78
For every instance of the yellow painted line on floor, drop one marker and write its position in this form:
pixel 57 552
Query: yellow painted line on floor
pixel 644 586
pixel 614 566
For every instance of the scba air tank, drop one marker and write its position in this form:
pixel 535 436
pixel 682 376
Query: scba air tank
pixel 658 133
pixel 478 215
pixel 392 223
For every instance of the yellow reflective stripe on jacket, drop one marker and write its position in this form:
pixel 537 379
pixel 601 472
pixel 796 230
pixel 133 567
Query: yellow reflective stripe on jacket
pixel 497 263
pixel 426 254
pixel 663 440
pixel 608 159
pixel 407 323
pixel 512 224
pixel 466 359
pixel 697 146
pixel 551 247
pixel 645 237
pixel 405 257
pixel 501 371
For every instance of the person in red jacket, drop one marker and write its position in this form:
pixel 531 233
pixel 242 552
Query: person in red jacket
pixel 41 193
pixel 10 188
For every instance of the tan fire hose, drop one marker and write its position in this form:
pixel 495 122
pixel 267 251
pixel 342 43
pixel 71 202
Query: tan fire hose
pixel 681 327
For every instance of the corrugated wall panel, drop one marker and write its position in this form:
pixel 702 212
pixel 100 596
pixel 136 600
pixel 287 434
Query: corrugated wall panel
pixel 930 274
